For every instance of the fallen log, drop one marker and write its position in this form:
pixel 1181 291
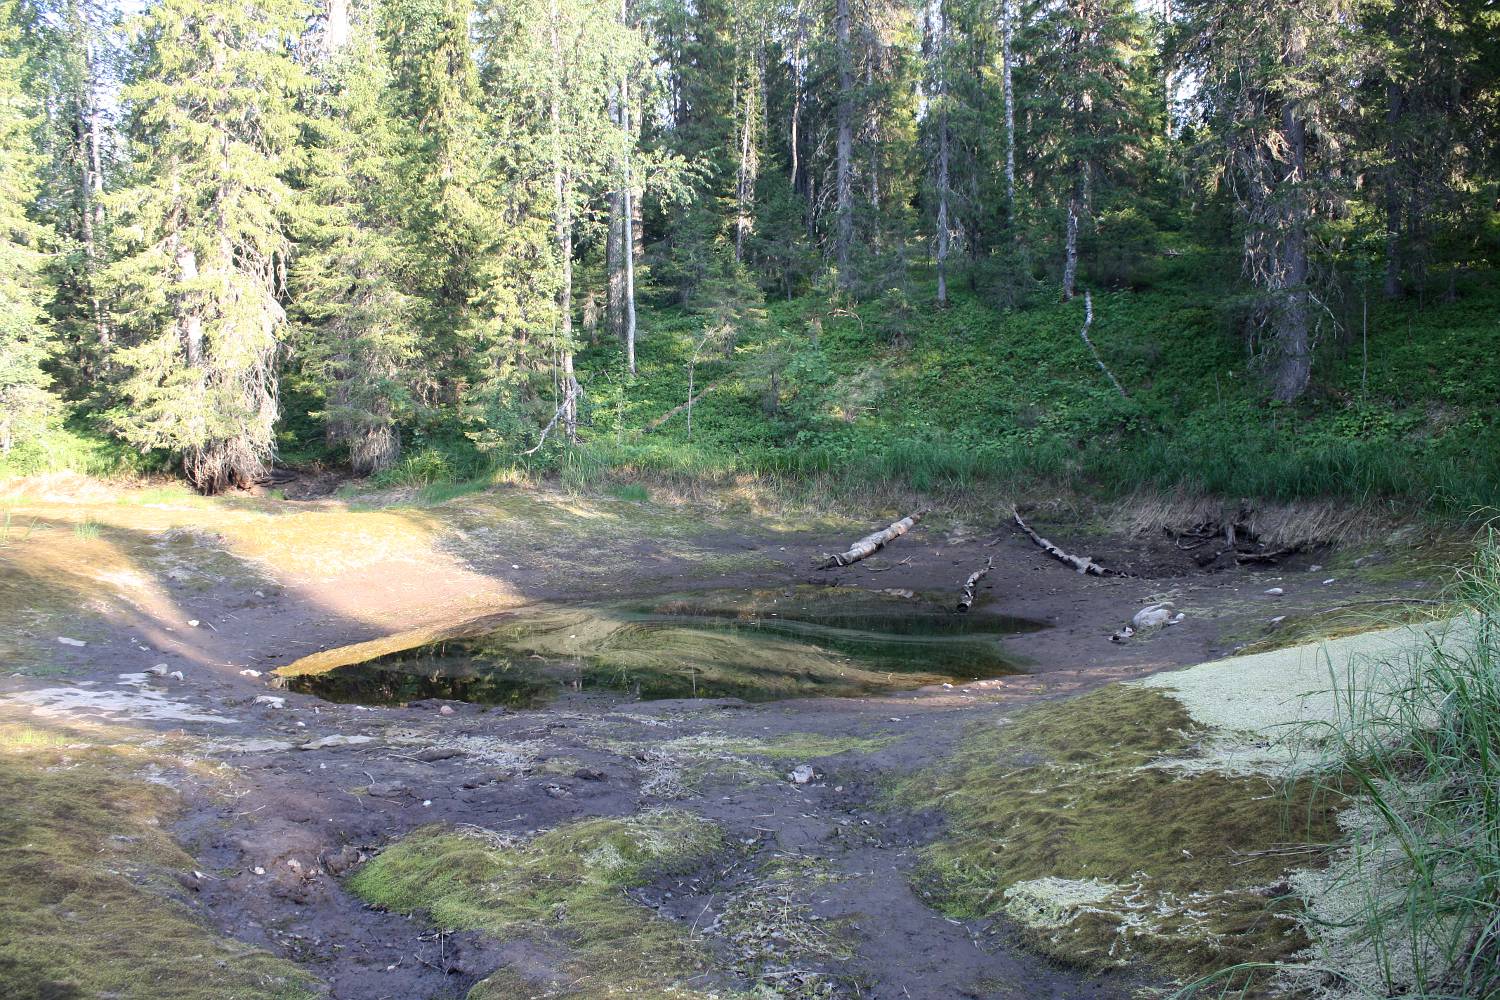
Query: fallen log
pixel 652 425
pixel 870 544
pixel 1082 564
pixel 966 600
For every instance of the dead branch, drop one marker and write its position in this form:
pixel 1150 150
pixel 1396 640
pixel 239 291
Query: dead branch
pixel 966 600
pixel 1082 564
pixel 1088 321
pixel 652 425
pixel 567 400
pixel 870 544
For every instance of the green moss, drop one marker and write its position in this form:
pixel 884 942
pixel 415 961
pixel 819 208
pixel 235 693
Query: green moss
pixel 565 891
pixel 1063 819
pixel 85 881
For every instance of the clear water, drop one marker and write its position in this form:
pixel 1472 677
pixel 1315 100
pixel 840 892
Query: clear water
pixel 758 646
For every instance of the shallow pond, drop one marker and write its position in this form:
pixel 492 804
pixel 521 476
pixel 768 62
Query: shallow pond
pixel 759 645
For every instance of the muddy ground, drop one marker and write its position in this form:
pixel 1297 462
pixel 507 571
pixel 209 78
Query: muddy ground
pixel 272 844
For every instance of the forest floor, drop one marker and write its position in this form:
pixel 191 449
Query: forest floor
pixel 274 801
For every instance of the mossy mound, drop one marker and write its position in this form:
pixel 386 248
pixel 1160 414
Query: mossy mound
pixel 85 881
pixel 563 890
pixel 1063 820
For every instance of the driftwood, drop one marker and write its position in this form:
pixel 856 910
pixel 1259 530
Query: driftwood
pixel 1082 564
pixel 870 544
pixel 966 601
pixel 1234 536
pixel 652 425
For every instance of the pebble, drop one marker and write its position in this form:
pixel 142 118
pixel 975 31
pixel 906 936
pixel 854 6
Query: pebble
pixel 258 870
pixel 192 623
pixel 249 673
pixel 176 675
pixel 70 642
pixel 270 700
pixel 446 710
pixel 1275 592
pixel 1331 579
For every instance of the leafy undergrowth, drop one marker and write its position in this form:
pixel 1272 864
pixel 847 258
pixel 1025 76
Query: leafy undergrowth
pixel 86 880
pixel 563 891
pixel 939 398
pixel 1060 820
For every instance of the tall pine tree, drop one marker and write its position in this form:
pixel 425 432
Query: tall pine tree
pixel 205 224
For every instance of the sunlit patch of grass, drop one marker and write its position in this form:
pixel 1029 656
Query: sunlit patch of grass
pixel 87 903
pixel 1063 820
pixel 565 890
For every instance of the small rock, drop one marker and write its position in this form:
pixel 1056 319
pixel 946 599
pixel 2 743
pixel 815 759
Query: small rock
pixel 192 623
pixel 270 701
pixel 588 774
pixel 1278 619
pixel 176 675
pixel 70 642
pixel 446 710
pixel 1314 567
pixel 387 789
pixel 339 740
pixel 188 881
pixel 342 860
pixel 434 754
pixel 487 778
pixel 1154 615
pixel 1122 634
pixel 258 870
pixel 802 774
pixel 557 791
pixel 249 673
pixel 1274 591
pixel 159 670
pixel 1331 579
pixel 426 803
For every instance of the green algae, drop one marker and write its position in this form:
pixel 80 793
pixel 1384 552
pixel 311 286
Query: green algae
pixel 564 891
pixel 87 887
pixel 1070 820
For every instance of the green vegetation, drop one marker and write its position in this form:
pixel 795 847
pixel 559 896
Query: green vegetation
pixel 564 890
pixel 1071 820
pixel 88 904
pixel 1411 907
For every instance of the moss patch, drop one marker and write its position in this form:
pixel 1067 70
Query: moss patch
pixel 85 886
pixel 564 890
pixel 1061 819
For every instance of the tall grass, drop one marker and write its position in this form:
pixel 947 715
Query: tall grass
pixel 1411 908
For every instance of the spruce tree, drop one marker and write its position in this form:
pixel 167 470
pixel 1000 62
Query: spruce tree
pixel 357 322
pixel 205 220
pixel 25 400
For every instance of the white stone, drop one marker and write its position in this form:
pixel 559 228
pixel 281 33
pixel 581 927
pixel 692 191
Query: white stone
pixel 70 642
pixel 801 774
pixel 270 700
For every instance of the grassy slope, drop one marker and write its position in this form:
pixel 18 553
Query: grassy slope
pixel 977 393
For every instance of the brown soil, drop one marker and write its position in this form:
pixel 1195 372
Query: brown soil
pixel 304 816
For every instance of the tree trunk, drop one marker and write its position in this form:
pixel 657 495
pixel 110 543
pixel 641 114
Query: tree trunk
pixel 744 190
pixel 1070 261
pixel 1294 359
pixel 844 171
pixel 942 160
pixel 336 31
pixel 564 234
pixel 1393 289
pixel 627 236
pixel 1007 29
